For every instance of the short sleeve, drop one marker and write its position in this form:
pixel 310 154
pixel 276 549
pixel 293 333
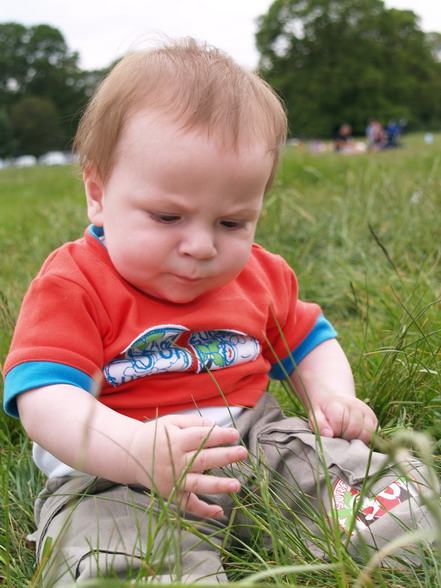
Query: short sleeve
pixel 48 347
pixel 322 331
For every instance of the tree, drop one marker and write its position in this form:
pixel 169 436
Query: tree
pixel 336 61
pixel 55 73
pixel 7 141
pixel 36 62
pixel 29 56
pixel 13 65
pixel 36 125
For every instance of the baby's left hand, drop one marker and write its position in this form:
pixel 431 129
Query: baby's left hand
pixel 341 415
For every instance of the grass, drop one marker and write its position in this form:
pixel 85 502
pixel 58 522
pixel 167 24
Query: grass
pixel 362 233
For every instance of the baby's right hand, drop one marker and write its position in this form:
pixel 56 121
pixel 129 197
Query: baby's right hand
pixel 176 450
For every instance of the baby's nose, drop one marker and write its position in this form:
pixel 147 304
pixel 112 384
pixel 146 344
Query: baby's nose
pixel 199 244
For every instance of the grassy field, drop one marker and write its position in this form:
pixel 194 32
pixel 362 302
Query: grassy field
pixel 363 234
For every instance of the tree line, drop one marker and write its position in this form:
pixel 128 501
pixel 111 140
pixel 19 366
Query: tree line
pixel 332 61
pixel 345 61
pixel 42 90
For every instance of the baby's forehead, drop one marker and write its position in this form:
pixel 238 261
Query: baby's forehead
pixel 152 138
pixel 179 128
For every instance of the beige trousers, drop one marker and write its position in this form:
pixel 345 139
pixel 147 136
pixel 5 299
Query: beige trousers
pixel 92 528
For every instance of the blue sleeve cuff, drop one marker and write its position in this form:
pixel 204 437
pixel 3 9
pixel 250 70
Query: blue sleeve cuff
pixel 322 331
pixel 34 374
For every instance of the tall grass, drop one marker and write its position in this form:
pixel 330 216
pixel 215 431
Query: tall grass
pixel 362 233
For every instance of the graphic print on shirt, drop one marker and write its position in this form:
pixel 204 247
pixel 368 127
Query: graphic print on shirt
pixel 158 350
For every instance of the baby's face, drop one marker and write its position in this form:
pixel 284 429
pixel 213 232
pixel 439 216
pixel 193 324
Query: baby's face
pixel 179 212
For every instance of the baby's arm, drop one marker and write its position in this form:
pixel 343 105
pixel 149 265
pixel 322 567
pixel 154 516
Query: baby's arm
pixel 325 385
pixel 85 434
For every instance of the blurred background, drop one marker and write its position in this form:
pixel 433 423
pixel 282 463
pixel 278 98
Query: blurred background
pixel 354 74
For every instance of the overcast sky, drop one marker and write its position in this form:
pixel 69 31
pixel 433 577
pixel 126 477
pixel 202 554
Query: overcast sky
pixel 102 30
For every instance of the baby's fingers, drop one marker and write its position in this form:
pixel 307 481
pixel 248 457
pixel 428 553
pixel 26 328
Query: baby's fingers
pixel 369 427
pixel 194 438
pixel 191 503
pixel 214 457
pixel 353 421
pixel 207 484
pixel 319 422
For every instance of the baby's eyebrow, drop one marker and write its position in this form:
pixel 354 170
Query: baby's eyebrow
pixel 245 211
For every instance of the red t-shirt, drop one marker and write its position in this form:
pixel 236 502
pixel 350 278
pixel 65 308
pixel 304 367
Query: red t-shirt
pixel 80 319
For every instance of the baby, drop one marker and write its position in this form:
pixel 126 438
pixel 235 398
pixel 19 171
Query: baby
pixel 142 352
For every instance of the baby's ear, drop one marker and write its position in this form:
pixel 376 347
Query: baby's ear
pixel 94 188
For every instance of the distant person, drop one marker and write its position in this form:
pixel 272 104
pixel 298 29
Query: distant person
pixel 317 146
pixel 142 351
pixel 343 141
pixel 394 132
pixel 375 135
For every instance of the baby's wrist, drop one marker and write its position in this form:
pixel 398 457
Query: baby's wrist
pixel 135 466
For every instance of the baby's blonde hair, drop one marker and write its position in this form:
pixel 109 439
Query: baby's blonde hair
pixel 197 85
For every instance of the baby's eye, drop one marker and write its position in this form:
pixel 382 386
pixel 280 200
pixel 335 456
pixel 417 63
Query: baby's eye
pixel 159 217
pixel 231 225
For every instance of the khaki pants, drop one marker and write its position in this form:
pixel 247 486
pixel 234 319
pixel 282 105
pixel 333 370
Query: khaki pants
pixel 90 527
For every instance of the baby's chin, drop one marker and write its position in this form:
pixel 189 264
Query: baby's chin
pixel 176 289
pixel 174 296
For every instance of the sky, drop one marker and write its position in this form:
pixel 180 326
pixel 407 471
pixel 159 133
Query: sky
pixel 103 30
